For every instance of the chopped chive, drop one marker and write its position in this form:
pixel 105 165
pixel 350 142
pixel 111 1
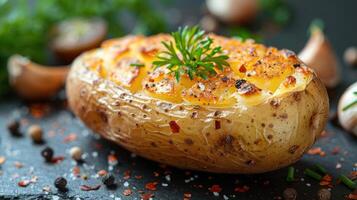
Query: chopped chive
pixel 137 65
pixel 349 105
pixel 355 92
pixel 290 177
pixel 348 182
pixel 313 174
pixel 320 169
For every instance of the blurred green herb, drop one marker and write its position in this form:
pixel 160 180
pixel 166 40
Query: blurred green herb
pixel 277 10
pixel 243 34
pixel 24 24
pixel 191 53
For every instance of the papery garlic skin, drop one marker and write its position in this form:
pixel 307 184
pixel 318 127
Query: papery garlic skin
pixel 348 118
pixel 320 56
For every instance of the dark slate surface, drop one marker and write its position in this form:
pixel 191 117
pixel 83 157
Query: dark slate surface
pixel 340 18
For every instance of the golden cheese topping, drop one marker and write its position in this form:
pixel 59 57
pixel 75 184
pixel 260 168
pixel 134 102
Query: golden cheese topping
pixel 255 72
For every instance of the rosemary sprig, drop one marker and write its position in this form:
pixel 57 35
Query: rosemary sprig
pixel 351 104
pixel 137 65
pixel 191 53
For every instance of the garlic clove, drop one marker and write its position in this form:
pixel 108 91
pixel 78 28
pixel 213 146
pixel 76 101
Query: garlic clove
pixel 33 81
pixel 233 11
pixel 348 116
pixel 319 55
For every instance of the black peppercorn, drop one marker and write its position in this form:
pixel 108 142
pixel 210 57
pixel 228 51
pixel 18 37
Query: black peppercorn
pixel 47 154
pixel 290 194
pixel 14 128
pixel 324 194
pixel 108 180
pixel 60 183
pixel 239 83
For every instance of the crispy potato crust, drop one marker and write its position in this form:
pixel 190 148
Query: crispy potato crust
pixel 232 123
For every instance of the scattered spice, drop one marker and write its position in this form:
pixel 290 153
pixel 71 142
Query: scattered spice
pixel 14 128
pixel 127 192
pixel 151 186
pixel 147 196
pixel 175 128
pixel 60 183
pixel 316 151
pixel 112 159
pixel 216 188
pixel 24 183
pixel 323 194
pixel 89 188
pixel 290 194
pixel 2 160
pixel 70 138
pixel 18 164
pixel 326 181
pixel 108 180
pixel 242 189
pixel 102 172
pixel 76 153
pixel 47 154
pixel 76 171
pixel 35 132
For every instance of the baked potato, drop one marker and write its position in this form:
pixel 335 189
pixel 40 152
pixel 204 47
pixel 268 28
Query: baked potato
pixel 260 113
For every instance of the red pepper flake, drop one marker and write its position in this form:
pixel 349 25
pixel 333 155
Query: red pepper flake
pixel 156 174
pixel 112 159
pixel 242 69
pixel 24 183
pixel 138 177
pixel 175 128
pixel 102 172
pixel 316 151
pixel 70 138
pixel 18 165
pixel 127 192
pixel 215 188
pixel 335 150
pixel 2 160
pixel 326 181
pixel 217 124
pixel 127 174
pixel 76 171
pixel 89 188
pixel 352 196
pixel 353 175
pixel 39 110
pixel 151 186
pixel 57 159
pixel 187 196
pixel 146 196
pixel 242 189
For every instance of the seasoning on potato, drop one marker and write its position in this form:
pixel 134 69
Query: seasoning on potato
pixel 162 96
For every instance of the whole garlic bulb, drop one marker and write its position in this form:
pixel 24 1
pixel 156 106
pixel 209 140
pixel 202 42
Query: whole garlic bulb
pixel 348 115
pixel 233 11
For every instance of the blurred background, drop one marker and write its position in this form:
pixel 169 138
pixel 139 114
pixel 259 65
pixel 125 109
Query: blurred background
pixel 54 32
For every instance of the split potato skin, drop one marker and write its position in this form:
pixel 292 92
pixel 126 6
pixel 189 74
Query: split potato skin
pixel 239 138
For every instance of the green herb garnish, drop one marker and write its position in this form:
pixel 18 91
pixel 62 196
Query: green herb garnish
pixel 191 53
pixel 137 65
pixel 320 169
pixel 290 177
pixel 348 182
pixel 312 174
pixel 351 104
